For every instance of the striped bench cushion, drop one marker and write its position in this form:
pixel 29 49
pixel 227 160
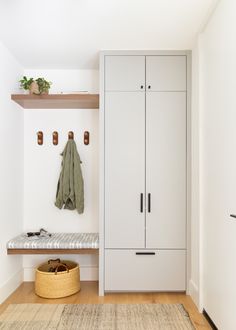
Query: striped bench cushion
pixel 56 241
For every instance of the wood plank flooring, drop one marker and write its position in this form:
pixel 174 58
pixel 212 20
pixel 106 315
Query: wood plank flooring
pixel 89 295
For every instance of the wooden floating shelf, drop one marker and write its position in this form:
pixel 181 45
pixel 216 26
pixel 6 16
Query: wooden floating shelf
pixel 57 101
pixel 52 251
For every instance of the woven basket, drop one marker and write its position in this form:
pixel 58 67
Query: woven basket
pixel 57 284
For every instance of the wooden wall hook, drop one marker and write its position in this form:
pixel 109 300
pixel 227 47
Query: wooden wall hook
pixel 71 135
pixel 55 138
pixel 40 137
pixel 86 138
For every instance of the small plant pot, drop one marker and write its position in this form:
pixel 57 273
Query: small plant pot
pixel 34 88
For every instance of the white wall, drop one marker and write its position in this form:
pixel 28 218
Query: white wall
pixel 218 165
pixel 195 179
pixel 11 171
pixel 42 166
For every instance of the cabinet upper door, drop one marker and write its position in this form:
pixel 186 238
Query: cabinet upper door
pixel 124 169
pixel 166 73
pixel 125 73
pixel 166 170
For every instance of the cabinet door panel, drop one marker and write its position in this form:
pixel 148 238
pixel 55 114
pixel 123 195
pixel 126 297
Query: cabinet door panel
pixel 166 73
pixel 124 169
pixel 164 270
pixel 166 169
pixel 125 73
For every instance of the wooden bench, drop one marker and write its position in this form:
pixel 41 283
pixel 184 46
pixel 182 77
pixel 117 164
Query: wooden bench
pixel 58 243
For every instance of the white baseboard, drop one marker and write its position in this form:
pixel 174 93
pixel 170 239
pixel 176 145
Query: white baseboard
pixel 194 292
pixel 87 273
pixel 11 285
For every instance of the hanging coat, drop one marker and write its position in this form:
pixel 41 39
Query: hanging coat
pixel 70 187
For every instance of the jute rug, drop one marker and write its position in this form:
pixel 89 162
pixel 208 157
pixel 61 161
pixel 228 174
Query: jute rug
pixel 96 317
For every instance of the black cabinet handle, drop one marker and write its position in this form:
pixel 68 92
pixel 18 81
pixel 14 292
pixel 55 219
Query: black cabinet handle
pixel 149 203
pixel 233 215
pixel 145 253
pixel 141 203
pixel 149 87
pixel 141 86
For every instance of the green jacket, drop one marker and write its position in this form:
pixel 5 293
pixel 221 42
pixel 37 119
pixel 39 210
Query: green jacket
pixel 70 187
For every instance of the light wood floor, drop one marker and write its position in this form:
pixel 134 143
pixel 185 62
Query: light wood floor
pixel 89 295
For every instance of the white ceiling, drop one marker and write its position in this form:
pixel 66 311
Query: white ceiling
pixel 70 33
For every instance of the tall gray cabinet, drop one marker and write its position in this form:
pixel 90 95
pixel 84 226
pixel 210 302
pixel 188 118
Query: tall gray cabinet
pixel 143 172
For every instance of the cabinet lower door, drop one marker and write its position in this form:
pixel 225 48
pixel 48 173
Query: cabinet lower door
pixel 124 169
pixel 145 270
pixel 166 170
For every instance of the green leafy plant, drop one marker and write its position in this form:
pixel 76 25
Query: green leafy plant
pixel 35 86
pixel 25 82
pixel 43 84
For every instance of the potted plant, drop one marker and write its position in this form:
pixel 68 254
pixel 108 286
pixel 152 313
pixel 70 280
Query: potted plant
pixel 35 86
pixel 43 85
pixel 29 84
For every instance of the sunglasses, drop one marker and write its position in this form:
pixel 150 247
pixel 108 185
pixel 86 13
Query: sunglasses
pixel 36 233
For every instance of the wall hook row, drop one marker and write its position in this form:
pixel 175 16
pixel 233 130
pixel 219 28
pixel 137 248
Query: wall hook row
pixel 55 137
